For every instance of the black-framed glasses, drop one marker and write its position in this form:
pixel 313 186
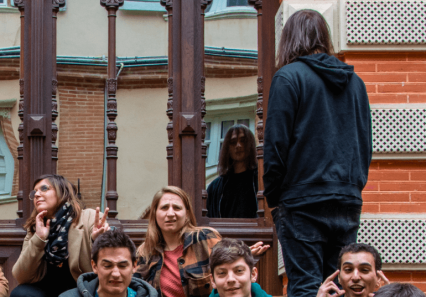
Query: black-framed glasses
pixel 43 189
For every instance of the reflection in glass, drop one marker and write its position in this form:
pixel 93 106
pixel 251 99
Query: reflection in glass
pixel 225 127
pixel 245 122
pixel 237 3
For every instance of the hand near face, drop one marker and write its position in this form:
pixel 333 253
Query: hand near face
pixel 383 277
pixel 100 225
pixel 329 286
pixel 42 230
pixel 258 248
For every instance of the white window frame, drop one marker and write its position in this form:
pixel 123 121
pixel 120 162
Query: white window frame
pixel 9 169
pixel 219 9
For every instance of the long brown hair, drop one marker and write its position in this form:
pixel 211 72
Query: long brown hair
pixel 65 192
pixel 305 33
pixel 225 160
pixel 154 237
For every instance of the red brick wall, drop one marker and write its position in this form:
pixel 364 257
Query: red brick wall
pixel 81 135
pixel 12 143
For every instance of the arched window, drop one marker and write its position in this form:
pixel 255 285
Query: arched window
pixel 6 168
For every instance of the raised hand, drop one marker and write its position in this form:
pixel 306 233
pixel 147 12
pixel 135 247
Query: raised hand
pixel 258 248
pixel 329 286
pixel 42 230
pixel 383 277
pixel 100 225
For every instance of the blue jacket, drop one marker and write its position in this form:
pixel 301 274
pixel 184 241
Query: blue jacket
pixel 256 291
pixel 318 139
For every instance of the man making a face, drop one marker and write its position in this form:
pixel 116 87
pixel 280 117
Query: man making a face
pixel 359 273
pixel 113 263
pixel 233 271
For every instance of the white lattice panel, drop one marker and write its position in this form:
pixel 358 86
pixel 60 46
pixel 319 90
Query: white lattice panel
pixel 386 22
pixel 398 241
pixel 399 130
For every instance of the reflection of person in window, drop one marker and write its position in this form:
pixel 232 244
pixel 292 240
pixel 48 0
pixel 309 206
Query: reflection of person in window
pixel 233 193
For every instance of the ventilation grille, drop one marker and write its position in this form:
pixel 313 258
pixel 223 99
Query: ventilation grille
pixel 399 130
pixel 386 22
pixel 398 241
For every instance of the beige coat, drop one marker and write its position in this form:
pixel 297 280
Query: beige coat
pixel 31 267
pixel 4 285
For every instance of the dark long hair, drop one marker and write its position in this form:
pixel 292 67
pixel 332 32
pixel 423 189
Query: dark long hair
pixel 65 192
pixel 225 161
pixel 305 33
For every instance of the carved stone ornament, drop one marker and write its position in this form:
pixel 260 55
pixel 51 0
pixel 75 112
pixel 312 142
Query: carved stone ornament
pixel 58 3
pixel 204 3
pixel 21 132
pixel 54 86
pixel 170 85
pixel 112 85
pixel 21 85
pixel 260 106
pixel 260 84
pixel 112 131
pixel 260 131
pixel 170 131
pixel 256 3
pixel 203 107
pixel 54 132
pixel 167 3
pixel 112 105
pixel 203 84
pixel 21 105
pixel 109 3
pixel 54 106
pixel 18 3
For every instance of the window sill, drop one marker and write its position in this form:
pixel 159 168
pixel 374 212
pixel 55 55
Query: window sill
pixel 8 199
pixel 6 9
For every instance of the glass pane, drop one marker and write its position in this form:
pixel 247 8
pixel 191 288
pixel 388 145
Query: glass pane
pixel 225 127
pixel 209 128
pixel 208 7
pixel 2 1
pixel 237 3
pixel 207 153
pixel 245 122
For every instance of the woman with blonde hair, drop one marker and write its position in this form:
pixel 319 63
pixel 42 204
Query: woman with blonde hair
pixel 57 248
pixel 174 258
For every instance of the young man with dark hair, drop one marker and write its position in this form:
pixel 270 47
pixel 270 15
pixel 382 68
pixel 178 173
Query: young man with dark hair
pixel 233 271
pixel 234 193
pixel 113 263
pixel 399 290
pixel 359 273
pixel 317 152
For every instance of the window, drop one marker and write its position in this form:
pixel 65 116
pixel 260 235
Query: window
pixel 230 9
pixel 144 5
pixel 6 169
pixel 3 2
pixel 215 134
pixel 237 3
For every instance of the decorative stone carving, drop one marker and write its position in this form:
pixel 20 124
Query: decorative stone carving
pixel 260 131
pixel 204 4
pixel 21 85
pixel 112 85
pixel 385 22
pixel 170 131
pixel 112 132
pixel 112 106
pixel 170 84
pixel 255 3
pixel 203 84
pixel 58 3
pixel 260 85
pixel 167 3
pixel 54 133
pixel 19 3
pixel 112 3
pixel 54 86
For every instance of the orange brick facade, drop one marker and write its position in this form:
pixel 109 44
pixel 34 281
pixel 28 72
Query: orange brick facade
pixel 81 136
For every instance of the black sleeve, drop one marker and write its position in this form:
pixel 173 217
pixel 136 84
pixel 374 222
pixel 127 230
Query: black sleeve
pixel 282 110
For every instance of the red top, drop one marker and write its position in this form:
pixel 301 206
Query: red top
pixel 170 282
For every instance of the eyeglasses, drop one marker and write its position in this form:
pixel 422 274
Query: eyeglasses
pixel 43 189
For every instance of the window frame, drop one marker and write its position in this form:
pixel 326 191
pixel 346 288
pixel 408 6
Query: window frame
pixel 9 169
pixel 143 5
pixel 219 10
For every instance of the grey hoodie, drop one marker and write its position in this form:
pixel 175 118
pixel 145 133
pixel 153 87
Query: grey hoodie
pixel 88 283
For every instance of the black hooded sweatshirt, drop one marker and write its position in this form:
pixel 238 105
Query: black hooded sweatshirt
pixel 318 141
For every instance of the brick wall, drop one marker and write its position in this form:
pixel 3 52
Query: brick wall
pixel 81 135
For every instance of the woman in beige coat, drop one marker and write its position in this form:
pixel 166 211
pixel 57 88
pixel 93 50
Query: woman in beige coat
pixel 59 239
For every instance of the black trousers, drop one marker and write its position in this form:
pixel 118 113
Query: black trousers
pixel 311 238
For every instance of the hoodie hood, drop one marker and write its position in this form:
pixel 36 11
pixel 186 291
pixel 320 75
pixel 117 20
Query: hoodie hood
pixel 88 283
pixel 333 72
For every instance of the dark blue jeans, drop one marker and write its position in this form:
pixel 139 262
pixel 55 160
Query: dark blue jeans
pixel 311 238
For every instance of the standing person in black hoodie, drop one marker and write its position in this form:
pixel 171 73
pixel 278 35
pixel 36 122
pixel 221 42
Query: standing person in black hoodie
pixel 317 151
